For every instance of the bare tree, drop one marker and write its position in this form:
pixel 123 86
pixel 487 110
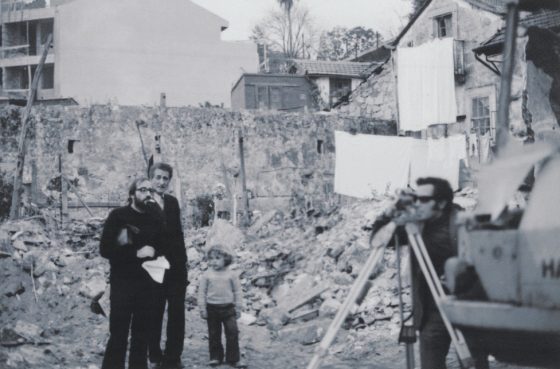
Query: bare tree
pixel 290 32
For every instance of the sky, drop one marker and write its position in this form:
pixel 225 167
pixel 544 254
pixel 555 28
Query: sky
pixel 385 16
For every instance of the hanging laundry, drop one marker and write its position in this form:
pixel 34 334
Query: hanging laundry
pixel 485 153
pixel 368 164
pixel 439 158
pixel 473 145
pixel 426 85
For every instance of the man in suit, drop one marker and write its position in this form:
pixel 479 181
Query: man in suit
pixel 175 281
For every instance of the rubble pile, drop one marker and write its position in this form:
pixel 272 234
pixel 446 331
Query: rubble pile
pixel 48 282
pixel 295 273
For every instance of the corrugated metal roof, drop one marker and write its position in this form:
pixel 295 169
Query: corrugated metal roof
pixel 333 68
pixel 548 19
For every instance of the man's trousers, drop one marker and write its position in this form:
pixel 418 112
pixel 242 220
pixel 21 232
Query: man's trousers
pixel 131 302
pixel 172 293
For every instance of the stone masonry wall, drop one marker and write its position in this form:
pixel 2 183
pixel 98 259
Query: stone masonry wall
pixel 286 155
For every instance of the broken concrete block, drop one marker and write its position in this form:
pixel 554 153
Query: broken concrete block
pixel 44 266
pixel 20 245
pixel 27 330
pixel 329 308
pixel 274 318
pixel 261 222
pixel 12 288
pixel 222 232
pixel 343 279
pixel 93 288
pixel 302 315
pixel 306 333
pixel 298 298
pixel 247 319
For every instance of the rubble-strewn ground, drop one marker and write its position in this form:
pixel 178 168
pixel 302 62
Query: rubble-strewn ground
pixel 295 273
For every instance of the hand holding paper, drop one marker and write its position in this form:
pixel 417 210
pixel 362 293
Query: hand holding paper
pixel 156 268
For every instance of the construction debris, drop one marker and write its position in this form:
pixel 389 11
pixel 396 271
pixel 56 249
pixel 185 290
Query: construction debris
pixel 293 276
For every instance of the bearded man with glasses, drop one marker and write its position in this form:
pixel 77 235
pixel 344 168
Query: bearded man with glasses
pixel 131 235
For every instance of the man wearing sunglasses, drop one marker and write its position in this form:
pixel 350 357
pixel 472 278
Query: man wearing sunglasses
pixel 131 235
pixel 175 280
pixel 431 206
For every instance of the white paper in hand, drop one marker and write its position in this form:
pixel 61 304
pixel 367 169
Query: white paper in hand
pixel 156 268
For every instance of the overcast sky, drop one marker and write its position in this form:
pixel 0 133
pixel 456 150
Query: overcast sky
pixel 385 16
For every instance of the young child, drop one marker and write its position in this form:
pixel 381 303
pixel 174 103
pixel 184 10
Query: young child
pixel 220 303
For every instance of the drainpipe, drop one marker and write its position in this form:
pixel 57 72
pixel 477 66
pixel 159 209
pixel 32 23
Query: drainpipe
pixel 502 130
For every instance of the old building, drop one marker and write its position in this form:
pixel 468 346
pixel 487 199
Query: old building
pixel 121 51
pixel 273 92
pixel 433 79
pixel 334 79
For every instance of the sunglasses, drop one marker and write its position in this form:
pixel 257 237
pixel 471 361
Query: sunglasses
pixel 424 199
pixel 146 190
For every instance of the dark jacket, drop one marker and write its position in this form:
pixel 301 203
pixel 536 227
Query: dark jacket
pixel 174 238
pixel 143 229
pixel 440 238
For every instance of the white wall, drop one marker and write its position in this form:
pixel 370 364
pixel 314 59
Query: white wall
pixel 129 51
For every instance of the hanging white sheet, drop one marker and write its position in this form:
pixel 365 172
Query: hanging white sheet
pixel 426 85
pixel 439 158
pixel 368 164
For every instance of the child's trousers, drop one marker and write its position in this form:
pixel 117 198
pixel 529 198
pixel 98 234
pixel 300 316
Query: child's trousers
pixel 219 315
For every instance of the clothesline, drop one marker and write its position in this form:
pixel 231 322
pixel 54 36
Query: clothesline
pixel 370 164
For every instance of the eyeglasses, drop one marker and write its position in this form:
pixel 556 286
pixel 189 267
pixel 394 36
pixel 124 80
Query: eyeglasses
pixel 146 190
pixel 424 199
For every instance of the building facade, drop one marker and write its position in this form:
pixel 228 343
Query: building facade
pixel 282 92
pixel 126 52
pixel 475 29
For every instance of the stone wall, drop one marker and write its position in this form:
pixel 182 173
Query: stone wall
pixel 287 156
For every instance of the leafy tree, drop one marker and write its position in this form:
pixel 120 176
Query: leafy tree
pixel 416 5
pixel 341 43
pixel 288 30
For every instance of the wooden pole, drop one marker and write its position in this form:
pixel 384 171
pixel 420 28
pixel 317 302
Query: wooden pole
pixel 34 185
pixel 16 194
pixel 73 189
pixel 502 129
pixel 245 199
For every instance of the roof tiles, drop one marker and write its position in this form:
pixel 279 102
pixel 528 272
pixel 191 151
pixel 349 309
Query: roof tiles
pixel 338 68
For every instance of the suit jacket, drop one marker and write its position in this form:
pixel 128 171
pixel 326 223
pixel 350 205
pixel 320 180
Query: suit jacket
pixel 173 236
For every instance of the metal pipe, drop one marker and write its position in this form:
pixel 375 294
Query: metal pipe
pixel 502 130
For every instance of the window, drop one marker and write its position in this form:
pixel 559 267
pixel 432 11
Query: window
pixel 480 115
pixel 319 146
pixel 338 88
pixel 443 26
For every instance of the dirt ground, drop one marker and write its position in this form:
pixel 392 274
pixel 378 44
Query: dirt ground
pixel 74 338
pixel 49 279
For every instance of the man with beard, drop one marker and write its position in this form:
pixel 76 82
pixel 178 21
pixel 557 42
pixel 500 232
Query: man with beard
pixel 175 281
pixel 132 235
